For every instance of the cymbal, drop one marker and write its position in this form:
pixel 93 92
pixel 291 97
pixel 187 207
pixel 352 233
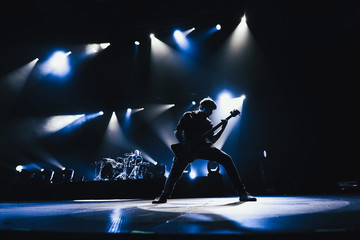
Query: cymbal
pixel 129 154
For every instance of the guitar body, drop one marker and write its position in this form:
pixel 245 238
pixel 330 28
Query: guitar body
pixel 189 155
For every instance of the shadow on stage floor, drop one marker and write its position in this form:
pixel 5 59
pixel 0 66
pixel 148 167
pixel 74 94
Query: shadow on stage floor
pixel 137 188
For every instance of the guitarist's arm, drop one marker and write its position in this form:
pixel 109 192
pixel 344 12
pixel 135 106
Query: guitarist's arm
pixel 179 131
pixel 215 136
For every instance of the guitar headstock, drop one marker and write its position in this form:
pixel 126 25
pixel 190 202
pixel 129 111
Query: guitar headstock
pixel 235 112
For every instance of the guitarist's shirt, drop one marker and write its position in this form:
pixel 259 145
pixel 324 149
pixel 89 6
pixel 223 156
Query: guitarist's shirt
pixel 194 124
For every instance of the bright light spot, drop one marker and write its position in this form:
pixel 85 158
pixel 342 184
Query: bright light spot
pixel 93 115
pixel 54 124
pixel 113 124
pixel 224 98
pixel 57 64
pixel 226 104
pixel 128 112
pixel 136 110
pixel 95 47
pixel 149 158
pixel 264 153
pixel 192 174
pixel 92 48
pixel 243 19
pixel 104 45
pixel 218 26
pixel 187 32
pixel 114 141
pixel 152 35
pixel 178 35
pixel 193 102
pixel 19 168
pixel 160 123
pixel 181 39
pixel 137 43
pixel 15 81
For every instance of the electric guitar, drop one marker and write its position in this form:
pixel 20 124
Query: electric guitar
pixel 188 154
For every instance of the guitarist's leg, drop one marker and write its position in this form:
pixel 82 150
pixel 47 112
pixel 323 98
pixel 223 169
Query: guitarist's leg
pixel 219 156
pixel 176 171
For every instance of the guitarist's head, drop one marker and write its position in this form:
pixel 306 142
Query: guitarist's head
pixel 207 105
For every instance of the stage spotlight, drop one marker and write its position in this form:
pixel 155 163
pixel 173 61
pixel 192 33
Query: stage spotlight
pixel 243 19
pixel 19 168
pixel 180 39
pixel 225 97
pixel 55 123
pixel 189 172
pixel 93 48
pixel 190 106
pixel 67 175
pixel 57 64
pixel 91 116
pixel 213 169
pixel 44 176
pixel 104 45
pixel 178 35
pixel 137 43
pixel 152 35
pixel 128 112
pixel 218 27
pixel 264 153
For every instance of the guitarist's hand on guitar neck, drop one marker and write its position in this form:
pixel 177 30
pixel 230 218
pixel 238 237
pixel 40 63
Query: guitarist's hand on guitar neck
pixel 187 149
pixel 224 123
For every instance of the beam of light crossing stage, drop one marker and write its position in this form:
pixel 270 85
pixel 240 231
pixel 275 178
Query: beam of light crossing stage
pixel 230 60
pixel 239 36
pixel 93 48
pixel 114 141
pixel 160 124
pixel 167 63
pixel 180 38
pixel 225 104
pixel 128 116
pixel 57 64
pixel 56 123
pixel 28 149
pixel 115 138
pixel 12 83
pixel 69 122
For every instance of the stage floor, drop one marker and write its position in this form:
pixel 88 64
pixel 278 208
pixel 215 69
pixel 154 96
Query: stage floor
pixel 184 218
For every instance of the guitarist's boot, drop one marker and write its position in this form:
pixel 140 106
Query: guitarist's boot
pixel 246 197
pixel 160 199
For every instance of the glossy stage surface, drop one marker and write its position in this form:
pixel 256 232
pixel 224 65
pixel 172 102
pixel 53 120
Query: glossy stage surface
pixel 275 217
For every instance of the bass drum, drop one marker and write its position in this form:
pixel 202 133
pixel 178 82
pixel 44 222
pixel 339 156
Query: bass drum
pixel 107 172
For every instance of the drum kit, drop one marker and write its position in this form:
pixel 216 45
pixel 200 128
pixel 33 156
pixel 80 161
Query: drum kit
pixel 131 166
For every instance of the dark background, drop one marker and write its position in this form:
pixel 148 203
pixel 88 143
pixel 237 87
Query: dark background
pixel 301 94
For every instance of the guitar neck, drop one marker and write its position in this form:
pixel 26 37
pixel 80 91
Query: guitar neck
pixel 216 127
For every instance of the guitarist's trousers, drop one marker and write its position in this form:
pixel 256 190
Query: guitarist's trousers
pixel 211 154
